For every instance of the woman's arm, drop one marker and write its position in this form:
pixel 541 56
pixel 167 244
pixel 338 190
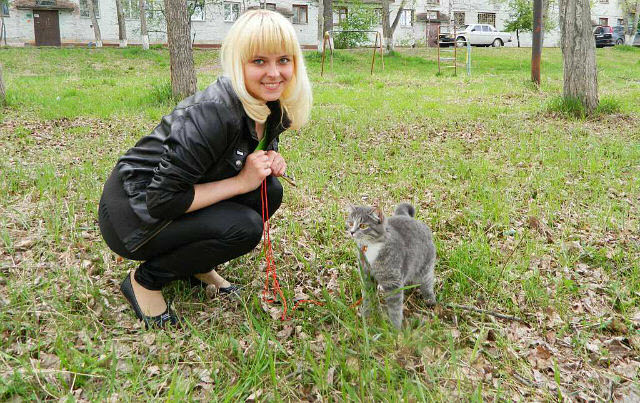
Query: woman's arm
pixel 256 169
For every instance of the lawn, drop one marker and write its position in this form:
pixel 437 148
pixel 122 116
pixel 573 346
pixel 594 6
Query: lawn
pixel 534 211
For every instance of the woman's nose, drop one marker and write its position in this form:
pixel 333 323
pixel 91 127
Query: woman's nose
pixel 273 70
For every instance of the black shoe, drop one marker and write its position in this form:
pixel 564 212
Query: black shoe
pixel 232 289
pixel 168 317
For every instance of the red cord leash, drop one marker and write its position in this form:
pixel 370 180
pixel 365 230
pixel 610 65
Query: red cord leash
pixel 271 284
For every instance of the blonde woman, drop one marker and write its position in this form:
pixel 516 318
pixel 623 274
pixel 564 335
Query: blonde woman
pixel 186 197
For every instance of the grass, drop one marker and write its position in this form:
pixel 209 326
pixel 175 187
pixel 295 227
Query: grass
pixel 535 214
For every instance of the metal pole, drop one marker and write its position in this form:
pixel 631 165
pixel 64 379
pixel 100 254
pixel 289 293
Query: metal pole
pixel 536 46
pixel 324 42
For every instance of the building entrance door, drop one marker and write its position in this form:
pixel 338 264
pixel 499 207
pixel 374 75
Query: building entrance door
pixel 46 27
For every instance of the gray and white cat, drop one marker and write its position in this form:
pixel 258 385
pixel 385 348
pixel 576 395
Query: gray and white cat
pixel 395 252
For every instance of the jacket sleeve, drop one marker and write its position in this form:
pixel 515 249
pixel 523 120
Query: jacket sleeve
pixel 197 140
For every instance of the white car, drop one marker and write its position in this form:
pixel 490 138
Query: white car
pixel 481 35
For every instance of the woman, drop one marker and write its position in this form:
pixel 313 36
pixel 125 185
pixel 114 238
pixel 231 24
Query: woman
pixel 186 198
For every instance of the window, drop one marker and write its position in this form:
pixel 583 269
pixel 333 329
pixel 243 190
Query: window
pixel 620 21
pixel 406 18
pixel 196 9
pixel 300 14
pixel 154 9
pixel 339 15
pixel 603 21
pixel 458 18
pixel 5 10
pixel 487 18
pixel 270 6
pixel 131 9
pixel 84 8
pixel 231 11
pixel 604 1
pixel 433 1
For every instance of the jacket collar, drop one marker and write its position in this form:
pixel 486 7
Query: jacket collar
pixel 277 121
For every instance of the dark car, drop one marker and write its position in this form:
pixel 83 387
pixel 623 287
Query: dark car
pixel 618 35
pixel 636 39
pixel 603 35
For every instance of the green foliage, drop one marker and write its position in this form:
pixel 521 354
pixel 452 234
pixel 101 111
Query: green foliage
pixel 520 17
pixel 573 107
pixel 360 18
pixel 477 156
pixel 567 107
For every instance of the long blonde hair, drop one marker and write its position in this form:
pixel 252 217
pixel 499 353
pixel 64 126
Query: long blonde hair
pixel 265 31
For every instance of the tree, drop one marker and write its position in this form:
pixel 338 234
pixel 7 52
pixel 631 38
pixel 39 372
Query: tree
pixel 183 74
pixel 143 25
pixel 3 95
pixel 520 17
pixel 122 28
pixel 578 53
pixel 327 15
pixel 320 25
pixel 94 23
pixel 3 27
pixel 389 29
pixel 635 19
pixel 360 18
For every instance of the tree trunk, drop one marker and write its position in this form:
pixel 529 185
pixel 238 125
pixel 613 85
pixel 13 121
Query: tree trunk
pixel 183 74
pixel 94 24
pixel 320 25
pixel 3 29
pixel 143 25
pixel 518 36
pixel 388 28
pixel 327 15
pixel 122 28
pixel 634 28
pixel 578 53
pixel 3 95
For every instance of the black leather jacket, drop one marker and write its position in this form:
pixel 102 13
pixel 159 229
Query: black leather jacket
pixel 206 138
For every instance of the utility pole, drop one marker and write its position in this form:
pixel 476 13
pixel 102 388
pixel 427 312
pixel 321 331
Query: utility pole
pixel 536 46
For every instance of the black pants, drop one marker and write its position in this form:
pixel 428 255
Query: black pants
pixel 198 241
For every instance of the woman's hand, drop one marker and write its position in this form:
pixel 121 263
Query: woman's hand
pixel 256 168
pixel 278 166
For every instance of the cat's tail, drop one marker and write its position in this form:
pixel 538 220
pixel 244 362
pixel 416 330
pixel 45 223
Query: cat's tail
pixel 405 209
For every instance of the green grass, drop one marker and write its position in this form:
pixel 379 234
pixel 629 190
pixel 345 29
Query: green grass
pixel 534 211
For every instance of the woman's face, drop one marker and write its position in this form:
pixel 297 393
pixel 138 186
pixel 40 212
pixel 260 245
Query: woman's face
pixel 267 75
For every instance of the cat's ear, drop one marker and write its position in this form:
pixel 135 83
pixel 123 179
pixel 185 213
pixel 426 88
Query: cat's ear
pixel 351 208
pixel 377 214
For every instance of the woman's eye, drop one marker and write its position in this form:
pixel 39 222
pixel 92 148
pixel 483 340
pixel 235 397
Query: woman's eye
pixel 258 61
pixel 364 226
pixel 284 60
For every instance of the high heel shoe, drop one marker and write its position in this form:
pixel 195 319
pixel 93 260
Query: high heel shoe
pixel 168 317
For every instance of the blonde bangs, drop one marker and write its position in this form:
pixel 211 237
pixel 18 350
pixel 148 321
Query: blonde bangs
pixel 259 32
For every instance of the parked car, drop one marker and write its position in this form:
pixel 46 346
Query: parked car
pixel 618 35
pixel 482 35
pixel 636 39
pixel 603 35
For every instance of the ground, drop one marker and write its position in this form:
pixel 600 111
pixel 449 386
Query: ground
pixel 534 213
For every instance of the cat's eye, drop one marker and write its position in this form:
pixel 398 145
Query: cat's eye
pixel 364 226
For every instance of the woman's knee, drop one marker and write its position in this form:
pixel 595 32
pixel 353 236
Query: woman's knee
pixel 274 195
pixel 248 231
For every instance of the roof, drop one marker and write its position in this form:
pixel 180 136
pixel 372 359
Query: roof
pixel 45 5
